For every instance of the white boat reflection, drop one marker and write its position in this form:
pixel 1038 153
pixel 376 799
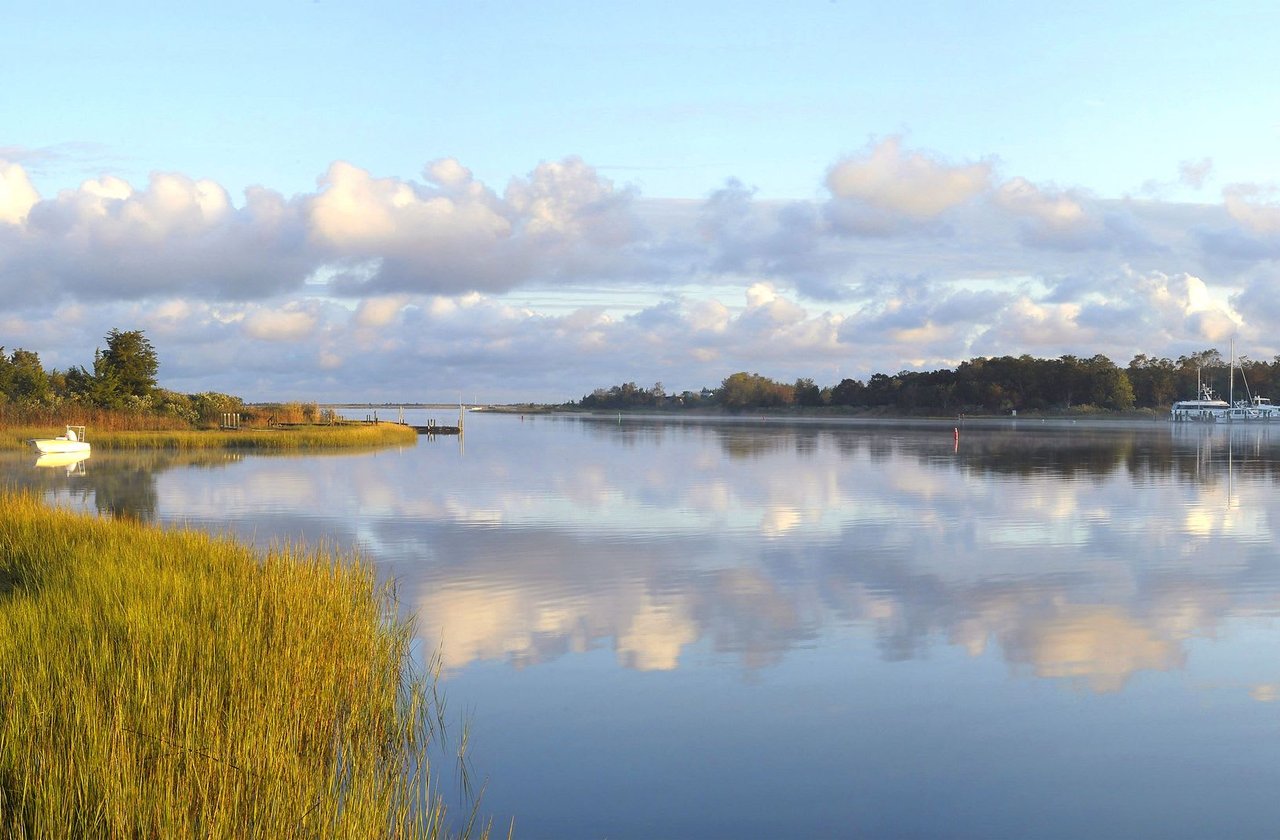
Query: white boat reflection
pixel 72 461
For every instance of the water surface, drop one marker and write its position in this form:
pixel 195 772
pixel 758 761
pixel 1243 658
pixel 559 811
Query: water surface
pixel 749 629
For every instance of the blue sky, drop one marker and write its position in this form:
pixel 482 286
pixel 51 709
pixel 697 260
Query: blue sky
pixel 380 201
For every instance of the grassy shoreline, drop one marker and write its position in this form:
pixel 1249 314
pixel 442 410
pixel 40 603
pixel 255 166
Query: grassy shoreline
pixel 340 435
pixel 169 683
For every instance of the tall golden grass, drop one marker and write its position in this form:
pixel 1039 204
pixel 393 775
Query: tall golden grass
pixel 342 435
pixel 167 683
pixel 102 419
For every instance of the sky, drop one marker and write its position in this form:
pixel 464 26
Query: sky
pixel 413 202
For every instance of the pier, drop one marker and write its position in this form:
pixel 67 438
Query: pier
pixel 434 428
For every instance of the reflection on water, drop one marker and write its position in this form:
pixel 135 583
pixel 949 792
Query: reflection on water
pixel 595 587
pixel 72 462
pixel 112 483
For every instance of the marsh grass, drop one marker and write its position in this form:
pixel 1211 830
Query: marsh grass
pixel 168 683
pixel 337 436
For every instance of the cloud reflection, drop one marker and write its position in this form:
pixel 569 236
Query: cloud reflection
pixel 1052 567
pixel 1084 556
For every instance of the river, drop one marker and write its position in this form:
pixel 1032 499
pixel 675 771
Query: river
pixel 707 628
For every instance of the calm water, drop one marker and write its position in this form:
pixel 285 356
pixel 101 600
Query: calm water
pixel 705 629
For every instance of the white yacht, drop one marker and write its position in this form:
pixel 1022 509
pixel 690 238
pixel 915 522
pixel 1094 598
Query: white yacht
pixel 1206 409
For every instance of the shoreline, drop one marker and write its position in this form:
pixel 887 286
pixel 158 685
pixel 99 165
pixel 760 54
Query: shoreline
pixel 336 436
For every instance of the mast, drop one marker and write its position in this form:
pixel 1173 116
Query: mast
pixel 1231 383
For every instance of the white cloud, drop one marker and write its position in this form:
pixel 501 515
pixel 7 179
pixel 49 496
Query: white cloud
pixel 289 324
pixel 16 193
pixel 912 184
pixel 379 311
pixel 565 281
pixel 568 198
pixel 178 236
pixel 1055 211
pixel 1243 204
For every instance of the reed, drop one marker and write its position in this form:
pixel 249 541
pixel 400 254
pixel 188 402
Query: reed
pixel 97 418
pixel 169 683
pixel 336 436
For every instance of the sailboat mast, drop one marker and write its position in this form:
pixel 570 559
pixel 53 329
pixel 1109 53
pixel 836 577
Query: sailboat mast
pixel 1230 380
pixel 1231 383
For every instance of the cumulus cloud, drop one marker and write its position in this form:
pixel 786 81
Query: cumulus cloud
pixel 291 323
pixel 562 276
pixel 16 193
pixel 568 199
pixel 379 311
pixel 911 184
pixel 1049 218
pixel 106 240
pixel 453 234
pixel 785 241
pixel 1247 205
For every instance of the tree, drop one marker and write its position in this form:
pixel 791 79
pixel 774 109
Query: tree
pixel 1154 381
pixel 6 377
pixel 751 390
pixel 29 381
pixel 130 361
pixel 848 392
pixel 807 393
pixel 1110 386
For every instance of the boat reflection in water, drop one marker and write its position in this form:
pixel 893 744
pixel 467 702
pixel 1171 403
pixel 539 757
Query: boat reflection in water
pixel 72 461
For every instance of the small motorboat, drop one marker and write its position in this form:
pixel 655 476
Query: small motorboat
pixel 72 441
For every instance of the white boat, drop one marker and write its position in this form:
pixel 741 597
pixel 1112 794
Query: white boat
pixel 1206 409
pixel 1249 410
pixel 1255 409
pixel 72 441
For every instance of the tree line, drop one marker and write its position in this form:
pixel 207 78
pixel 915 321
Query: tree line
pixel 987 385
pixel 122 379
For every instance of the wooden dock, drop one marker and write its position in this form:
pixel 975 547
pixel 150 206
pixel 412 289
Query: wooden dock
pixel 433 428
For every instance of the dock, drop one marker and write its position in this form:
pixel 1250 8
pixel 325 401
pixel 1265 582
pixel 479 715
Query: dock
pixel 433 428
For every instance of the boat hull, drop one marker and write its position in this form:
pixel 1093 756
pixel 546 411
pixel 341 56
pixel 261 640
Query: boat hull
pixel 47 446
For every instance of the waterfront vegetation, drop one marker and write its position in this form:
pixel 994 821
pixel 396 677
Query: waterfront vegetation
pixel 170 683
pixel 120 393
pixel 996 385
pixel 280 438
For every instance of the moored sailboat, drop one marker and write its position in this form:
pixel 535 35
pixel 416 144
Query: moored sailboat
pixel 1251 409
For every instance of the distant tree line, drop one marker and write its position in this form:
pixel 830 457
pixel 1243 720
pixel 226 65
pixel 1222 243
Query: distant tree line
pixel 122 379
pixel 987 385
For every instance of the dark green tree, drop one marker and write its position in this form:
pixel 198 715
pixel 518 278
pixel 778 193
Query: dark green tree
pixel 131 361
pixel 6 377
pixel 807 393
pixel 1107 385
pixel 848 392
pixel 1154 381
pixel 28 381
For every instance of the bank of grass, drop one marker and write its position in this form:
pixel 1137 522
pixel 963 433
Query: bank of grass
pixel 168 683
pixel 335 436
